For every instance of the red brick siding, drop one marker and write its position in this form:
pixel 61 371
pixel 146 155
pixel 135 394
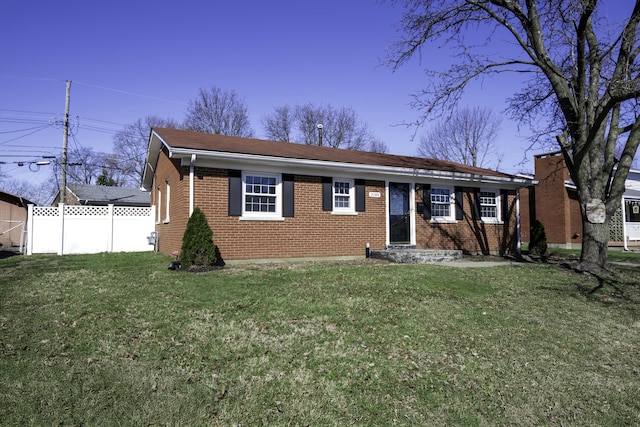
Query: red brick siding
pixel 312 232
pixel 170 233
pixel 527 212
pixel 470 235
pixel 556 207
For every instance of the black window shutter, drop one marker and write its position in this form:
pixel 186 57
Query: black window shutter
pixel 459 211
pixel 504 202
pixel 327 193
pixel 287 195
pixel 426 201
pixel 476 204
pixel 360 197
pixel 235 193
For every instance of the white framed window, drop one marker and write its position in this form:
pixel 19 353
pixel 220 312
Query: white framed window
pixel 343 196
pixel 159 207
pixel 168 201
pixel 489 206
pixel 442 207
pixel 261 195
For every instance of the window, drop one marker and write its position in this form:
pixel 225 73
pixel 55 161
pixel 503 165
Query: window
pixel 343 196
pixel 441 203
pixel 168 201
pixel 159 202
pixel 489 203
pixel 261 195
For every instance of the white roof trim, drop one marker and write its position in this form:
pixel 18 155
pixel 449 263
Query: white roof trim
pixel 287 163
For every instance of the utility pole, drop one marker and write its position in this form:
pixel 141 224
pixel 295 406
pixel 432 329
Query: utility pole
pixel 65 140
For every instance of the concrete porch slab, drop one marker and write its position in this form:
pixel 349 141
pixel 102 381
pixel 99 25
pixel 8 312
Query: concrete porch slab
pixel 416 256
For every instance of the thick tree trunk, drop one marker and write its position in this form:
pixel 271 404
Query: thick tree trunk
pixel 595 241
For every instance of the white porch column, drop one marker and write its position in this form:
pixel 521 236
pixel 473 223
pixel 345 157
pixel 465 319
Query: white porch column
pixel 191 183
pixel 518 230
pixel 624 224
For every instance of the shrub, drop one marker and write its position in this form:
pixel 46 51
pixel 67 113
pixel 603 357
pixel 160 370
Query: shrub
pixel 538 241
pixel 198 248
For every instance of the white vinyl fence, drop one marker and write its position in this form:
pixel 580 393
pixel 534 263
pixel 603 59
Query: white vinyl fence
pixel 71 229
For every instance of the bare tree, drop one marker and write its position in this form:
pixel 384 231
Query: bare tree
pixel 278 125
pixel 341 128
pixel 308 117
pixel 130 149
pixel 84 165
pixel 39 193
pixel 219 112
pixel 468 136
pixel 584 84
pixel 376 145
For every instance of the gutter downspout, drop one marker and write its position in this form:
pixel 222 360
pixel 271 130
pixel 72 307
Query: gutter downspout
pixel 191 184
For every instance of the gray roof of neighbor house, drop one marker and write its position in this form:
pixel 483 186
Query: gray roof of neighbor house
pixel 185 144
pixel 108 195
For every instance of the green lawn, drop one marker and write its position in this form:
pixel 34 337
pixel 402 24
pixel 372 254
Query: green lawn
pixel 117 339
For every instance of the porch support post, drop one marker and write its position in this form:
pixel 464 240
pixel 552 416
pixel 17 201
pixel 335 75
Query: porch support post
pixel 191 183
pixel 518 231
pixel 624 223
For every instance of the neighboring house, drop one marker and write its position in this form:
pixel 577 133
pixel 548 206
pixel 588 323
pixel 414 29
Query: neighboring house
pixel 103 195
pixel 553 201
pixel 13 216
pixel 266 199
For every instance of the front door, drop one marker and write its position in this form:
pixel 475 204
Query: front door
pixel 399 217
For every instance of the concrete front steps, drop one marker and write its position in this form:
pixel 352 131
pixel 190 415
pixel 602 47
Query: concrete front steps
pixel 411 255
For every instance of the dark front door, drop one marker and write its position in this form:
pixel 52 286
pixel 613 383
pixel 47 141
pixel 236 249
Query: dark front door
pixel 399 219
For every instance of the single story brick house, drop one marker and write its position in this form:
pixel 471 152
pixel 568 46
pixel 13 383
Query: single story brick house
pixel 266 199
pixel 553 201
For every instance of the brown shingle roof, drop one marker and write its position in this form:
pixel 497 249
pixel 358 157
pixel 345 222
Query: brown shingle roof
pixel 230 144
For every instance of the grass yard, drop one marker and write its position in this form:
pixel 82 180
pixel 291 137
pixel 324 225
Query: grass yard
pixel 117 339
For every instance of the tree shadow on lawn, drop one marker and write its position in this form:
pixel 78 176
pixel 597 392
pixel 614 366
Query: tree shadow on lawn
pixel 618 284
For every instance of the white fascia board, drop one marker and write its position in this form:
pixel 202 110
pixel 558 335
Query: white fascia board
pixel 153 153
pixel 227 160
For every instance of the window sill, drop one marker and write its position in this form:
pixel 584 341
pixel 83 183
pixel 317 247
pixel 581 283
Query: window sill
pixel 261 218
pixel 347 213
pixel 491 221
pixel 443 221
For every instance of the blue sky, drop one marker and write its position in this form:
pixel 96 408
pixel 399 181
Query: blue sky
pixel 127 60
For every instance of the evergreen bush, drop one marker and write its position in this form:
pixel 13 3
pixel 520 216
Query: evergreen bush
pixel 538 241
pixel 198 248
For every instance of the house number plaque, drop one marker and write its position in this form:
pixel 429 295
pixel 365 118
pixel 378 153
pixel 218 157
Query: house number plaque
pixel 375 194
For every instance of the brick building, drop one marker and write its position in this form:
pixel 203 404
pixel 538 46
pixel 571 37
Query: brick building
pixel 266 199
pixel 553 200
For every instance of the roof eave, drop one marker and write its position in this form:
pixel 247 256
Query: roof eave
pixel 289 163
pixel 156 142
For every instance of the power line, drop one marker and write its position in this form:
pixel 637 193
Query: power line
pixel 19 130
pixel 131 93
pixel 41 128
pixel 26 111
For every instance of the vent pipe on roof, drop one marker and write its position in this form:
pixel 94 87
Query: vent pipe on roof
pixel 320 134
